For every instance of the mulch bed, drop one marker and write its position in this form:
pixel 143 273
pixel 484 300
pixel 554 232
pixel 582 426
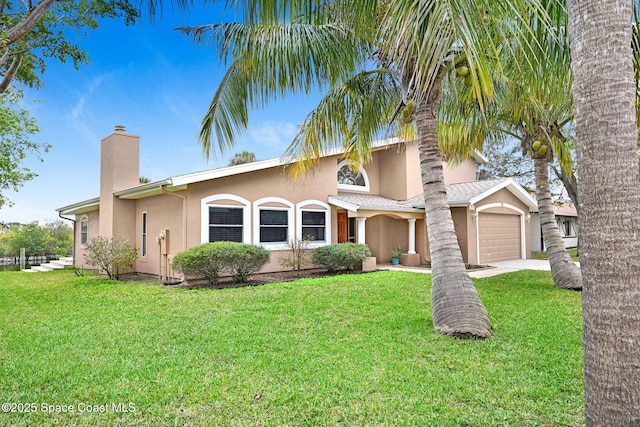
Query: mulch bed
pixel 262 279
pixel 277 277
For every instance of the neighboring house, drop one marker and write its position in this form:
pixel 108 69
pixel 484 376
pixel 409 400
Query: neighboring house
pixel 567 218
pixel 259 203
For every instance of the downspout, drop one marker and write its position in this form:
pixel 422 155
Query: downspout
pixel 184 215
pixel 73 253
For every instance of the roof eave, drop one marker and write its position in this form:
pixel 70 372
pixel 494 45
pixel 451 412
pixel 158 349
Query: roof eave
pixel 80 207
pixel 514 188
pixel 410 209
pixel 148 190
pixel 342 204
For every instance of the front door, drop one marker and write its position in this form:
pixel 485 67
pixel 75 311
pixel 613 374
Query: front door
pixel 343 227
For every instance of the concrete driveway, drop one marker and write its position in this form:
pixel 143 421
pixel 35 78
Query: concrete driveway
pixel 495 268
pixel 499 267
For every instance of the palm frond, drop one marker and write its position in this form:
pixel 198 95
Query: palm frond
pixel 427 33
pixel 227 114
pixel 271 61
pixel 285 57
pixel 350 115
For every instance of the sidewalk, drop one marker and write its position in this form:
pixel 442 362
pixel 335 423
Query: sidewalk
pixel 495 268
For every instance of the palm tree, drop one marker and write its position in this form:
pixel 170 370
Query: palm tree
pixel 328 46
pixel 609 193
pixel 533 104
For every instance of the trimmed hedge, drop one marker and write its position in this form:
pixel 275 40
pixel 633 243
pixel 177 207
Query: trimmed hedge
pixel 341 256
pixel 211 260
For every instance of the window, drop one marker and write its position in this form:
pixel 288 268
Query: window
pixel 272 222
pixel 225 217
pixel 350 180
pixel 567 227
pixel 84 230
pixel 349 177
pixel 313 219
pixel 274 225
pixel 314 226
pixel 226 224
pixel 144 234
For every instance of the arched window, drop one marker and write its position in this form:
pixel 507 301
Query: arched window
pixel 313 219
pixel 272 222
pixel 225 217
pixel 350 180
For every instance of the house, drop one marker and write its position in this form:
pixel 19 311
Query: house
pixel 259 203
pixel 567 219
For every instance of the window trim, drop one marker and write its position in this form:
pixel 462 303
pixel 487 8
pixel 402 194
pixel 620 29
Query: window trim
pixel 366 186
pixel 206 203
pixel 301 207
pixel 257 207
pixel 84 219
pixel 144 225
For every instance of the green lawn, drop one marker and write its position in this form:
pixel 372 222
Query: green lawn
pixel 543 255
pixel 353 350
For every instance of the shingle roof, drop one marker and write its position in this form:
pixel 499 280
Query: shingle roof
pixel 566 209
pixel 370 201
pixel 465 191
pixel 458 194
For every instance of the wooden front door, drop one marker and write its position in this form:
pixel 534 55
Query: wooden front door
pixel 343 227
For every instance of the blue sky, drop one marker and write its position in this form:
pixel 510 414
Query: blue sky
pixel 157 83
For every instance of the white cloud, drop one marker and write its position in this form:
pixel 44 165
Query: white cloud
pixel 77 113
pixel 78 108
pixel 273 134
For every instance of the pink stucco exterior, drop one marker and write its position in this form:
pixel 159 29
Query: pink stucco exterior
pixel 176 210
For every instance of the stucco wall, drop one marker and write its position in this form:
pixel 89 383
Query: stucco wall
pixel 384 234
pixel 274 183
pixel 459 215
pixel 93 230
pixel 164 218
pixel 464 172
pixel 536 233
pixel 119 169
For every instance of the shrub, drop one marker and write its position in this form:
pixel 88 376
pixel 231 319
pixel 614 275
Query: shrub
pixel 340 256
pixel 297 255
pixel 202 261
pixel 244 260
pixel 113 256
pixel 211 260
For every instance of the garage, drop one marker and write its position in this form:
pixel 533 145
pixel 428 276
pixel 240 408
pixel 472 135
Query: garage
pixel 499 237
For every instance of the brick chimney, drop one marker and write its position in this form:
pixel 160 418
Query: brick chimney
pixel 119 169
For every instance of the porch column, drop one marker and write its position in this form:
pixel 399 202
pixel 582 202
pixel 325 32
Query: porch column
pixel 361 233
pixel 412 236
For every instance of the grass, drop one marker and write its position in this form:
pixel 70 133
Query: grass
pixel 353 350
pixel 543 255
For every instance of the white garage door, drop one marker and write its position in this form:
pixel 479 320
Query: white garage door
pixel 499 237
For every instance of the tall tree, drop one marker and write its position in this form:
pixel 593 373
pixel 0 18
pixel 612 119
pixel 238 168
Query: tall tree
pixel 16 130
pixel 532 105
pixel 31 34
pixel 35 32
pixel 504 159
pixel 609 192
pixel 290 47
pixel 242 158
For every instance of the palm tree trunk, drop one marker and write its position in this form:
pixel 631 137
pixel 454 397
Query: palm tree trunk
pixel 456 306
pixel 565 272
pixel 609 195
